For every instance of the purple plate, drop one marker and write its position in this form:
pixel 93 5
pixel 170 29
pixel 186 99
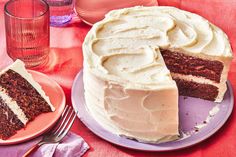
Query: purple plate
pixel 192 112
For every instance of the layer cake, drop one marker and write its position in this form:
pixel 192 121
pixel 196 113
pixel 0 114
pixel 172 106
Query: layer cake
pixel 135 57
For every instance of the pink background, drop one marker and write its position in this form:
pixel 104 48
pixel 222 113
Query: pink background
pixel 66 60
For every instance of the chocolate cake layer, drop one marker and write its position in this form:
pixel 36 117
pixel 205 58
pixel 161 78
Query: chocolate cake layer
pixel 29 100
pixel 193 89
pixel 9 123
pixel 188 65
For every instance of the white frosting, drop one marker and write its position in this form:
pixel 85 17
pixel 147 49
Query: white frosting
pixel 145 115
pixel 13 106
pixel 125 78
pixel 122 34
pixel 134 104
pixel 166 27
pixel 18 66
pixel 214 111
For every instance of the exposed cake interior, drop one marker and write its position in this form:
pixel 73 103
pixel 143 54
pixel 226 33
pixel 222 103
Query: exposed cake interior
pixel 27 97
pixel 9 122
pixel 183 66
pixel 180 63
pixel 21 99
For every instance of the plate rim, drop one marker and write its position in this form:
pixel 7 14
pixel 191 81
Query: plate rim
pixel 50 125
pixel 192 143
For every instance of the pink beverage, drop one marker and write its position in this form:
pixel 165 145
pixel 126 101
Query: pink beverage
pixel 92 11
pixel 27 31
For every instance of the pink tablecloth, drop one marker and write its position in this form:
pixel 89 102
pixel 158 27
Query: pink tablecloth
pixel 66 56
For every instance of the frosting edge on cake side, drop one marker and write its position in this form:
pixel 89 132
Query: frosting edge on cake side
pixel 132 110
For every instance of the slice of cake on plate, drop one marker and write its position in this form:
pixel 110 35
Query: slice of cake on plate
pixel 21 99
pixel 129 88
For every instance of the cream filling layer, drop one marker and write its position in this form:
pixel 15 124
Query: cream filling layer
pixel 196 79
pixel 13 106
pixel 221 86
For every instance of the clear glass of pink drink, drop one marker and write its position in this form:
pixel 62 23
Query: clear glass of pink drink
pixel 27 31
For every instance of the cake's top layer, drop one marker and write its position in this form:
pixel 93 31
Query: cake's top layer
pixel 19 67
pixel 123 45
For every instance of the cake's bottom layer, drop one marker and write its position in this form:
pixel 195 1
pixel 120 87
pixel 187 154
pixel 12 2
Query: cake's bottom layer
pixel 9 123
pixel 198 90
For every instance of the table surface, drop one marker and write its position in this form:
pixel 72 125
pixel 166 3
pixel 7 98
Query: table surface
pixel 66 61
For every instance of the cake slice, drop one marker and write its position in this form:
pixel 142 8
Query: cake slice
pixel 21 99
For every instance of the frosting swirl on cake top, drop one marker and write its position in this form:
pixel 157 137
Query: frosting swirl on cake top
pixel 117 46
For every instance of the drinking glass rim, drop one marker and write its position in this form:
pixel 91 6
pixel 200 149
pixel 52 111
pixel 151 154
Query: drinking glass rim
pixel 6 11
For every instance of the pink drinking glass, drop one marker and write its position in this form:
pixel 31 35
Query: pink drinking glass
pixel 27 31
